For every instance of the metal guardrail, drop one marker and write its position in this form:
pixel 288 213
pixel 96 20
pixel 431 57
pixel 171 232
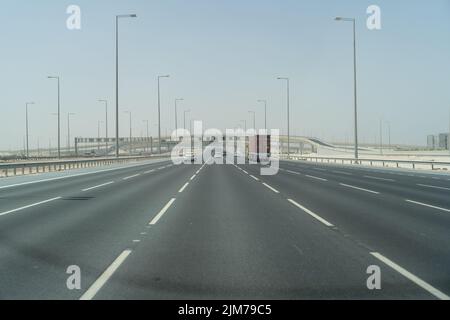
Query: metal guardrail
pixel 23 168
pixel 410 163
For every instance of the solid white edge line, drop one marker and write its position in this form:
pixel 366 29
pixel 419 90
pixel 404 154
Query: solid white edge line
pixel 74 175
pixel 100 282
pixel 163 210
pixel 427 205
pixel 273 189
pixel 184 187
pixel 317 178
pixel 358 188
pixel 312 214
pixel 29 206
pixel 434 187
pixel 193 177
pixel 150 171
pixel 421 283
pixel 99 186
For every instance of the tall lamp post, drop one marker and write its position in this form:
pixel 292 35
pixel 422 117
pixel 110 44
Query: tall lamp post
pixel 68 130
pixel 184 118
pixel 159 112
pixel 265 112
pixel 131 132
pixel 288 116
pixel 106 124
pixel 146 122
pixel 26 126
pixel 59 115
pixel 117 76
pixel 254 119
pixel 176 114
pixel 353 21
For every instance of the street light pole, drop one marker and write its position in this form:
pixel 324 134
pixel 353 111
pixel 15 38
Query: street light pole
pixel 159 112
pixel 106 124
pixel 68 130
pixel 117 77
pixel 131 136
pixel 59 116
pixel 146 121
pixel 26 126
pixel 265 113
pixel 254 119
pixel 354 81
pixel 184 118
pixel 288 115
pixel 245 125
pixel 176 115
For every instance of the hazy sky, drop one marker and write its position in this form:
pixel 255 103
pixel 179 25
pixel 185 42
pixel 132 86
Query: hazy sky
pixel 222 56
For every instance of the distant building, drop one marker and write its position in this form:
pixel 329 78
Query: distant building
pixel 443 141
pixel 431 142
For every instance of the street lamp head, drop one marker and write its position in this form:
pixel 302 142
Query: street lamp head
pixel 344 19
pixel 53 77
pixel 166 76
pixel 126 16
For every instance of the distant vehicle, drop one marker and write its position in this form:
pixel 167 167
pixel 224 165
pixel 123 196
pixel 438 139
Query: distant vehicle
pixel 259 149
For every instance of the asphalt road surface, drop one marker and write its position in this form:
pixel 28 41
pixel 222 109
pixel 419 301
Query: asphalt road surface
pixel 155 230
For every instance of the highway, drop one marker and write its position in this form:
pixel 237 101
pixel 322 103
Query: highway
pixel 154 230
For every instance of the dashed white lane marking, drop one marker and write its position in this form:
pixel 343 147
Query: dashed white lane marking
pixel 424 285
pixel 161 213
pixel 293 172
pixel 184 187
pixel 99 186
pixel 378 178
pixel 312 214
pixel 244 171
pixel 131 177
pixel 160 168
pixel 358 188
pixel 273 189
pixel 149 171
pixel 317 178
pixel 193 177
pixel 100 282
pixel 29 206
pixel 428 205
pixel 342 172
pixel 136 241
pixel 433 187
pixel 255 178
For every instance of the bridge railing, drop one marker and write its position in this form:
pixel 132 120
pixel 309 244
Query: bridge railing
pixel 32 167
pixel 411 164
